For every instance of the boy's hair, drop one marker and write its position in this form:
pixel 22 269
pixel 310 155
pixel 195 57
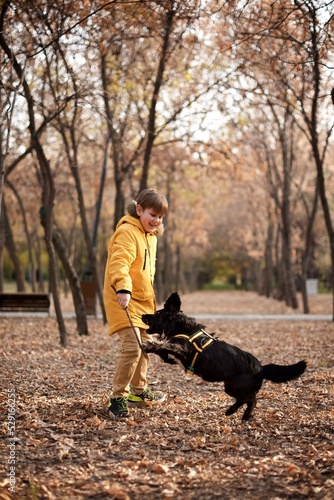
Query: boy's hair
pixel 149 198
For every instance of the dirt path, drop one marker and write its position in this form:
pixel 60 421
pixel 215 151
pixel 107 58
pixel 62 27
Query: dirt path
pixel 66 446
pixel 240 302
pixel 236 302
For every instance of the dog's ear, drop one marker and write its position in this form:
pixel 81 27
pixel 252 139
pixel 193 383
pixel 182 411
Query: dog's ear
pixel 173 303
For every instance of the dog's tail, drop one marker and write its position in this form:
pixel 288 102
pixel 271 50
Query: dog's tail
pixel 283 373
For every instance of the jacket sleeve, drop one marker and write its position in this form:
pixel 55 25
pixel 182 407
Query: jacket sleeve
pixel 122 253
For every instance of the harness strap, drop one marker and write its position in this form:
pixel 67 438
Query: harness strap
pixel 199 348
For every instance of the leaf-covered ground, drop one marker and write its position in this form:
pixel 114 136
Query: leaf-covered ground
pixel 68 447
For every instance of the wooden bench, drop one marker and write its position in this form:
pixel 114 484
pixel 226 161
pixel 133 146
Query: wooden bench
pixel 24 301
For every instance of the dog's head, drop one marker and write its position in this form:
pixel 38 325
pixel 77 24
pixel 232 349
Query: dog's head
pixel 157 320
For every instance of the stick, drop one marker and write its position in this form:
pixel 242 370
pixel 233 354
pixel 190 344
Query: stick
pixel 134 330
pixel 132 326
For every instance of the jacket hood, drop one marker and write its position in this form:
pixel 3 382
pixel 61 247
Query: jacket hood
pixel 129 219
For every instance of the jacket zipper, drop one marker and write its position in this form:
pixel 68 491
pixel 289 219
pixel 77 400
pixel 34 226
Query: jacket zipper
pixel 145 259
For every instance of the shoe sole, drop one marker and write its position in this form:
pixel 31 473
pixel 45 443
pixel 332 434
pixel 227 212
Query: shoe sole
pixel 140 404
pixel 124 415
pixel 145 404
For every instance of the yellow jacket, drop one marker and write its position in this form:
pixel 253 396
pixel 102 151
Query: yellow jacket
pixel 130 266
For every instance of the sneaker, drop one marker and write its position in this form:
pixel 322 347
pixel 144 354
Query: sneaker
pixel 146 398
pixel 119 407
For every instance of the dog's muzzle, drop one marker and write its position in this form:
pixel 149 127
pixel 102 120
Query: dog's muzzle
pixel 146 319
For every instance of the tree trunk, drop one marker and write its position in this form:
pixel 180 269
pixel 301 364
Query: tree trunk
pixel 308 250
pixel 329 225
pixel 11 247
pixel 151 129
pixel 2 247
pixel 74 282
pixel 46 221
pixel 92 263
pixel 287 160
pixel 306 307
pixel 325 207
pixel 267 275
pixel 32 273
pixel 39 271
pixel 119 170
pixel 277 274
pixel 312 124
pixel 46 217
pixel 119 202
pixel 100 195
pixel 289 281
pixel 68 133
pixel 48 185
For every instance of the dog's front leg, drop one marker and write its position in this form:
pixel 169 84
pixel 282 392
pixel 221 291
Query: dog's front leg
pixel 167 352
pixel 149 346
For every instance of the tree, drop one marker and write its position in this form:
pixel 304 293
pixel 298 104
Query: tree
pixel 48 190
pixel 287 53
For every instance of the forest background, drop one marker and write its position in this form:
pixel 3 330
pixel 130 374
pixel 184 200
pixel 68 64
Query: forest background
pixel 225 106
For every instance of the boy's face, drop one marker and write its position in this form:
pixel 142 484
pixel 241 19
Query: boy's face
pixel 148 218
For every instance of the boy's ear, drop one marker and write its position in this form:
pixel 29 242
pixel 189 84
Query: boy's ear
pixel 139 209
pixel 173 303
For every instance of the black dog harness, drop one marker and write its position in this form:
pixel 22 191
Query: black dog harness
pixel 200 340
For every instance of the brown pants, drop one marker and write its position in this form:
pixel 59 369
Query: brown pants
pixel 132 364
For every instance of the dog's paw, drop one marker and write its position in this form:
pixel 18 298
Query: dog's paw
pixel 149 346
pixel 171 360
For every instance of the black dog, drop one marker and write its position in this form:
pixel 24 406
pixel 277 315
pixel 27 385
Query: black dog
pixel 184 340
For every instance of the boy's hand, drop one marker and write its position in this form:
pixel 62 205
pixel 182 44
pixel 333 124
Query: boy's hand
pixel 123 299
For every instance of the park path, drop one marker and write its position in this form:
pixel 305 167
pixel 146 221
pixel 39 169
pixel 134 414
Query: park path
pixel 242 305
pixel 230 305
